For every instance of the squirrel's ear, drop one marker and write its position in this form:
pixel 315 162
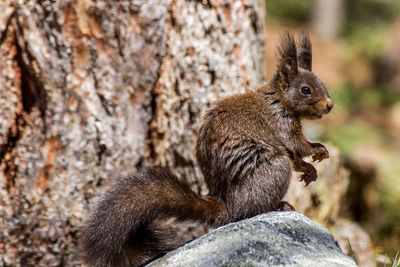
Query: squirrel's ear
pixel 304 57
pixel 287 67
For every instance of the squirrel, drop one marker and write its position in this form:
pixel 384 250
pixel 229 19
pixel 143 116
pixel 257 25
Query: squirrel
pixel 247 146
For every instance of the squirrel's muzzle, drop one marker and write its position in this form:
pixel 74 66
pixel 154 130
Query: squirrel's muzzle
pixel 321 108
pixel 329 104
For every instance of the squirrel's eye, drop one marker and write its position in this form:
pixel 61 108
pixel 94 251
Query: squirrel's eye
pixel 305 90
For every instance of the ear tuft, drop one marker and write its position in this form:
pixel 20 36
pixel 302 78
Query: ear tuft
pixel 287 66
pixel 305 56
pixel 287 49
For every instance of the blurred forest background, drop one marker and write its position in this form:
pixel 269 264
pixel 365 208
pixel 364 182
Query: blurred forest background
pixel 356 52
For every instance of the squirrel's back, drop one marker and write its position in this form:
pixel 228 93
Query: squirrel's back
pixel 244 163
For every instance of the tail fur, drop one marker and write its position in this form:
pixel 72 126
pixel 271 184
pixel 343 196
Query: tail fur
pixel 125 227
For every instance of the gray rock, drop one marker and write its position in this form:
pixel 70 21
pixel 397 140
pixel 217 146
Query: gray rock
pixel 272 239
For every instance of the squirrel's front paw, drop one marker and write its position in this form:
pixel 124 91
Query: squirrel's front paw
pixel 309 174
pixel 320 152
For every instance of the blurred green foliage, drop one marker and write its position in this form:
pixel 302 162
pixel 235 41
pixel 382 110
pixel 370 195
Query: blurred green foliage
pixel 359 13
pixel 289 10
pixel 348 137
pixel 366 40
pixel 367 13
pixel 353 99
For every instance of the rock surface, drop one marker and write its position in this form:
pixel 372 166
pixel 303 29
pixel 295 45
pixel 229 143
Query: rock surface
pixel 272 239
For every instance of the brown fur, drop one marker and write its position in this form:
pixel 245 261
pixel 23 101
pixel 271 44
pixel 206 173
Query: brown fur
pixel 246 147
pixel 125 228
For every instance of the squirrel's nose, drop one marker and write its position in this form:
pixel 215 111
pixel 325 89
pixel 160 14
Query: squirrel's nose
pixel 329 104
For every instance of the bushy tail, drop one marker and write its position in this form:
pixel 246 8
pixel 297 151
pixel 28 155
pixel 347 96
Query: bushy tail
pixel 123 230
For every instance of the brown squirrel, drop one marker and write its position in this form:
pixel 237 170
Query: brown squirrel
pixel 246 148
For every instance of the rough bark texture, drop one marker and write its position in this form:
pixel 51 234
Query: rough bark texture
pixel 214 49
pixel 89 88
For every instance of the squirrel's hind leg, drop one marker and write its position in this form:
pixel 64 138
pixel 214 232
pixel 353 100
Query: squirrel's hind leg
pixel 261 189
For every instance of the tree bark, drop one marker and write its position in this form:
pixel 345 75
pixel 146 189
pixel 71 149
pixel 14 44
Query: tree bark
pixel 90 88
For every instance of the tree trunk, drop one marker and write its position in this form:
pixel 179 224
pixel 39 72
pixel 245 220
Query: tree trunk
pixel 90 88
pixel 328 17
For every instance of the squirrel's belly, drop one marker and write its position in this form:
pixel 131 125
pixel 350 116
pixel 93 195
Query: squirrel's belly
pixel 261 190
pixel 273 178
